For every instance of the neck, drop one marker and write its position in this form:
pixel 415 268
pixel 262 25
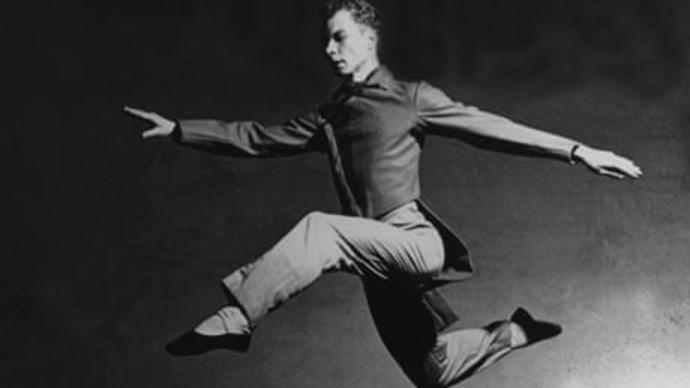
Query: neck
pixel 364 70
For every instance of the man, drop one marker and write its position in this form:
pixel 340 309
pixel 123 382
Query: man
pixel 372 131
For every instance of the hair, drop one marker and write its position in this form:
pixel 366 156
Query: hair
pixel 362 12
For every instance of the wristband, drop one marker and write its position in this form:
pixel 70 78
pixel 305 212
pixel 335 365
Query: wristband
pixel 571 157
pixel 176 133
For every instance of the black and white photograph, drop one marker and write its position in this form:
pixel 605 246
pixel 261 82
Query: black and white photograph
pixel 347 194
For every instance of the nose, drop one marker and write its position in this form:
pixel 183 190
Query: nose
pixel 330 47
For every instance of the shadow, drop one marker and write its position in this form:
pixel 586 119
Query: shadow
pixel 404 324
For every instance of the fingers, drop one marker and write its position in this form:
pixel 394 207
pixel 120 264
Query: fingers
pixel 620 171
pixel 634 172
pixel 150 116
pixel 135 112
pixel 150 133
pixel 610 174
pixel 637 171
pixel 629 167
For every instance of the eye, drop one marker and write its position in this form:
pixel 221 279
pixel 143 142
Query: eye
pixel 339 37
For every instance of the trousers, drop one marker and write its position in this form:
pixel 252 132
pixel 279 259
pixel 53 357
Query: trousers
pixel 392 254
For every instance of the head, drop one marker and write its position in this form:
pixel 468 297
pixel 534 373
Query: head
pixel 351 35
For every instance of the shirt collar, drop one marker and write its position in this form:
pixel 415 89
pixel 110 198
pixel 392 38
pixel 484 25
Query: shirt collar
pixel 379 78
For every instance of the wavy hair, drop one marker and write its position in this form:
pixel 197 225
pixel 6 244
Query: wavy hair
pixel 362 12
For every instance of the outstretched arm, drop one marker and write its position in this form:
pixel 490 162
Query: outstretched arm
pixel 438 114
pixel 239 138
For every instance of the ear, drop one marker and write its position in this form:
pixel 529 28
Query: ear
pixel 373 39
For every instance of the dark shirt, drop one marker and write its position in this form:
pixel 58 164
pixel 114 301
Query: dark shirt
pixel 379 128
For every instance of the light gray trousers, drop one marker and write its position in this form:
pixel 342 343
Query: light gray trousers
pixel 402 245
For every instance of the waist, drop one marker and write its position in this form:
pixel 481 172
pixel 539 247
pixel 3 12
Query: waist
pixel 406 216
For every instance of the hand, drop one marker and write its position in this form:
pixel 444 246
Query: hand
pixel 607 163
pixel 162 126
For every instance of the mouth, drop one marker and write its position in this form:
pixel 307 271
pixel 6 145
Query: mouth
pixel 338 63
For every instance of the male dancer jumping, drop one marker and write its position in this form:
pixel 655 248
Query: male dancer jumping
pixel 372 131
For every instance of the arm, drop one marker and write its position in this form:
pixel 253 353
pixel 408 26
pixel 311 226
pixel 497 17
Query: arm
pixel 439 115
pixel 239 138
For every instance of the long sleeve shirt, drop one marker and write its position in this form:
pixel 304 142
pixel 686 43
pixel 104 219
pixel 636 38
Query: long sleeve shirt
pixel 379 128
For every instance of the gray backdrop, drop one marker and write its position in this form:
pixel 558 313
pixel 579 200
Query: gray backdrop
pixel 114 246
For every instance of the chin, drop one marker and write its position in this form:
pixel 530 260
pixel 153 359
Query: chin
pixel 342 70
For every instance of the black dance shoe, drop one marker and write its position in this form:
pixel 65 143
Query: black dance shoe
pixel 226 329
pixel 534 330
pixel 192 343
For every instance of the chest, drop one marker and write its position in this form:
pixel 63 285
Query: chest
pixel 372 119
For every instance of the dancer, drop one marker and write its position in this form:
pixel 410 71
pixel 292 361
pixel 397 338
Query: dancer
pixel 372 131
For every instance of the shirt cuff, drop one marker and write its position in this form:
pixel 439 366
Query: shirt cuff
pixel 571 155
pixel 176 134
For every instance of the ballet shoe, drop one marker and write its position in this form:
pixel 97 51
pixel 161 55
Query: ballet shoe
pixel 210 336
pixel 534 330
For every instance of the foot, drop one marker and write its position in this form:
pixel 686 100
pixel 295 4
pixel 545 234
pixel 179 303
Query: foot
pixel 226 329
pixel 228 320
pixel 531 330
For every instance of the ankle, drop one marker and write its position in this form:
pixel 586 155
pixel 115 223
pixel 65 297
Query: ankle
pixel 517 335
pixel 234 316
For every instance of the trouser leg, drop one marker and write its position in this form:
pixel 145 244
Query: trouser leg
pixel 428 358
pixel 462 353
pixel 403 245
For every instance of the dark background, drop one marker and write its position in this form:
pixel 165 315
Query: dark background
pixel 113 246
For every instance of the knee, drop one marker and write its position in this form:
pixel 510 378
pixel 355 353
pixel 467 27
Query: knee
pixel 435 257
pixel 316 224
pixel 435 264
pixel 315 217
pixel 432 262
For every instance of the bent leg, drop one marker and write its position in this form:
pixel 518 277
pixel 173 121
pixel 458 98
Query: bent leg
pixel 406 245
pixel 461 353
pixel 428 358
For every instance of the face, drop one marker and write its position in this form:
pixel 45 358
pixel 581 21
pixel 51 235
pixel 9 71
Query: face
pixel 349 45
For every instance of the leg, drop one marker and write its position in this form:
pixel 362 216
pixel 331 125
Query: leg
pixel 427 358
pixel 431 359
pixel 403 245
pixel 324 242
pixel 460 354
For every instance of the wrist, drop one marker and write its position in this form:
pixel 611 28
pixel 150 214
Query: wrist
pixel 577 153
pixel 175 132
pixel 572 156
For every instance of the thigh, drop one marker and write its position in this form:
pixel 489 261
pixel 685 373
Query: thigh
pixel 371 247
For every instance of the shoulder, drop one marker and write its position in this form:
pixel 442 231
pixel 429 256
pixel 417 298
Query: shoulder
pixel 418 90
pixel 420 94
pixel 426 95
